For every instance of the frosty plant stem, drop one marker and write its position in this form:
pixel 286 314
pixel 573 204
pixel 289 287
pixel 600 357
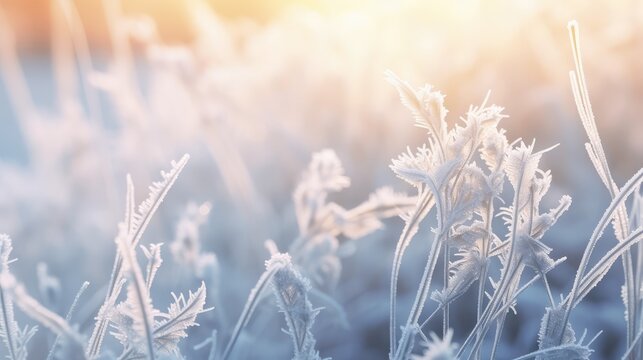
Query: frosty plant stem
pixel 619 199
pixel 480 333
pixel 410 229
pixel 141 292
pixel 445 172
pixel 485 255
pixel 70 313
pixel 8 324
pixel 445 281
pixel 135 224
pixel 599 160
pixel 406 341
pixel 291 291
pixel 427 107
pixel 276 262
pixel 408 332
pixel 596 273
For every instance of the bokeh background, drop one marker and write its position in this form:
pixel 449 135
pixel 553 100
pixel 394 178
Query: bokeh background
pixel 92 90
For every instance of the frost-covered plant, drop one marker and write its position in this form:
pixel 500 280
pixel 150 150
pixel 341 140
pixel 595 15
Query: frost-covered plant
pixel 187 252
pixel 16 339
pixel 439 349
pixel 48 285
pixel 526 226
pixel 276 262
pixel 291 291
pixel 72 341
pixel 13 337
pixel 142 329
pixel 54 350
pixel 186 247
pixel 569 350
pixel 130 233
pixel 316 251
pixel 627 229
pixel 447 176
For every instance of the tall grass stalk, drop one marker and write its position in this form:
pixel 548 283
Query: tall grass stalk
pixel 599 160
pixel 277 262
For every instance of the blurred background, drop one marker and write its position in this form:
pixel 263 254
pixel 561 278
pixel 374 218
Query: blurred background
pixel 92 90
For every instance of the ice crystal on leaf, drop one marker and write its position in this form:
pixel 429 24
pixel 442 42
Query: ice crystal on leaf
pixel 551 326
pixel 180 316
pixel 439 349
pixel 425 104
pixel 464 272
pixel 291 291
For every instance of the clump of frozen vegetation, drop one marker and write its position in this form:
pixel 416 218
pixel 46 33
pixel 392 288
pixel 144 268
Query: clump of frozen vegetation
pixel 460 173
pixel 315 253
pixel 447 177
pixel 142 330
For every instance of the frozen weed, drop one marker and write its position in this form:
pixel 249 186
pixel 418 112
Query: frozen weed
pixel 13 337
pixel 447 176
